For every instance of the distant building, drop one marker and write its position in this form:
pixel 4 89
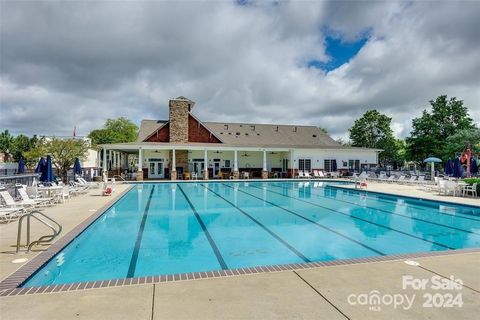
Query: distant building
pixel 185 144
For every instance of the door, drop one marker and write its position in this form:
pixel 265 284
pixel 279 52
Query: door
pixel 155 169
pixel 216 168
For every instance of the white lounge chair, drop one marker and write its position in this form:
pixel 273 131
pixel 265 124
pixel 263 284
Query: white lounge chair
pixel 300 174
pixel 10 202
pixel 321 174
pixel 38 202
pixel 307 175
pixel 8 214
pixel 315 174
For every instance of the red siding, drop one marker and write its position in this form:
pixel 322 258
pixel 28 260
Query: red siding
pixel 198 133
pixel 162 135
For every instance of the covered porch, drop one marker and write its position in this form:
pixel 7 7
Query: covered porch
pixel 139 161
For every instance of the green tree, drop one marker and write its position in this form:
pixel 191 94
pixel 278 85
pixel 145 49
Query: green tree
pixel 19 146
pixel 62 151
pixel 458 142
pixel 6 143
pixel 115 131
pixel 432 129
pixel 373 130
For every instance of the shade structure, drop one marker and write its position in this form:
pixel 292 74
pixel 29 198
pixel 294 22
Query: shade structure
pixel 21 166
pixel 474 166
pixel 334 165
pixel 457 168
pixel 77 168
pixel 449 168
pixel 47 173
pixel 40 165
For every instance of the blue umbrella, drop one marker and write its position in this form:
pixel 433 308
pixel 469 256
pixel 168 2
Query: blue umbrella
pixel 47 173
pixel 432 161
pixel 40 165
pixel 457 169
pixel 473 166
pixel 448 168
pixel 77 168
pixel 21 165
pixel 334 165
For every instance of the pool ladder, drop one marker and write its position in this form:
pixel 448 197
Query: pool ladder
pixel 43 219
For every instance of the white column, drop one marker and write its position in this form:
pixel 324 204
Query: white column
pixel 105 167
pixel 114 165
pixel 140 159
pixel 174 161
pixel 264 160
pixel 205 160
pixel 235 161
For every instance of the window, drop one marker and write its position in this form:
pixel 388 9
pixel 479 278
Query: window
pixel 327 165
pixel 284 165
pixel 305 165
pixel 354 165
pixel 227 163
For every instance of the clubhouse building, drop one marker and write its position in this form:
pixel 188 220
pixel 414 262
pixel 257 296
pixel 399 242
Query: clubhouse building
pixel 184 147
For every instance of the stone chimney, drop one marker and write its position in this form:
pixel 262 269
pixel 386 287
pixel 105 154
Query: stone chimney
pixel 178 115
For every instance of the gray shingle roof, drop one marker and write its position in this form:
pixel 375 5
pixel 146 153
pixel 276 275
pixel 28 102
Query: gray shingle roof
pixel 252 134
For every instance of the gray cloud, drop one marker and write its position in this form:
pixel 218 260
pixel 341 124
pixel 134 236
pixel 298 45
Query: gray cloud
pixel 78 63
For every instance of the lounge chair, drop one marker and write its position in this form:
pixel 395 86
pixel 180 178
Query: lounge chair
pixel 390 179
pixel 38 202
pixel 400 179
pixel 315 174
pixel 11 203
pixel 411 180
pixel 300 174
pixel 307 175
pixel 8 214
pixel 321 174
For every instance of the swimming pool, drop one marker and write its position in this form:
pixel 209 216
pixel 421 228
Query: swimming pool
pixel 169 228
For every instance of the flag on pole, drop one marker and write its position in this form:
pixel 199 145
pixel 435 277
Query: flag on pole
pixel 75 131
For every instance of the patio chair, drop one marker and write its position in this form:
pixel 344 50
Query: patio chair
pixel 307 175
pixel 400 179
pixel 411 180
pixel 390 179
pixel 321 174
pixel 470 189
pixel 315 174
pixel 300 174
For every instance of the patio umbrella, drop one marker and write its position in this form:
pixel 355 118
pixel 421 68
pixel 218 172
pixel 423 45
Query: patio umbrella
pixel 432 160
pixel 47 173
pixel 448 168
pixel 334 165
pixel 77 168
pixel 40 165
pixel 457 169
pixel 474 166
pixel 21 166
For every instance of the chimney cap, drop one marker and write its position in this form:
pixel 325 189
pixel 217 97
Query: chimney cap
pixel 182 98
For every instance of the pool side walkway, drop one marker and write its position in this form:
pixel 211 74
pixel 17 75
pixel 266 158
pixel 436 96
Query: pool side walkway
pixel 318 293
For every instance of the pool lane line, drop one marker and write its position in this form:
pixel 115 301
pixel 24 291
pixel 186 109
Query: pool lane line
pixel 273 234
pixel 348 215
pixel 314 222
pixel 389 212
pixel 204 228
pixel 138 242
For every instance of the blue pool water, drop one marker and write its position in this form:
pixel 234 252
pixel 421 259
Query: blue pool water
pixel 167 228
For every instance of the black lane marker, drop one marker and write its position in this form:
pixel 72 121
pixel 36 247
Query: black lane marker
pixel 353 217
pixel 204 228
pixel 312 221
pixel 285 243
pixel 133 260
pixel 389 212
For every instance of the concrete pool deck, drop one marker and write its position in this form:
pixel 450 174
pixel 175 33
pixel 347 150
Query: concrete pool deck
pixel 317 293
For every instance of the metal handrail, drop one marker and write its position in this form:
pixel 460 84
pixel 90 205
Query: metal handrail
pixel 121 178
pixel 36 214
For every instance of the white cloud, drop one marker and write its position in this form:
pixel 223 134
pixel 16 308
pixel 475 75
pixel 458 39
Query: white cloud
pixel 78 63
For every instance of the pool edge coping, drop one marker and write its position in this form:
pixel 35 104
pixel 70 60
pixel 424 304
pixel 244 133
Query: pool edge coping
pixel 22 274
pixel 122 282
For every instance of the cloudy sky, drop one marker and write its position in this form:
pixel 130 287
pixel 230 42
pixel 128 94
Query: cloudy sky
pixel 66 64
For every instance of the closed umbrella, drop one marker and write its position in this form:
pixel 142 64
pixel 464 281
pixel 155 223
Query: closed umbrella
pixel 77 168
pixel 47 173
pixel 40 165
pixel 457 168
pixel 474 166
pixel 432 160
pixel 334 165
pixel 448 168
pixel 21 165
